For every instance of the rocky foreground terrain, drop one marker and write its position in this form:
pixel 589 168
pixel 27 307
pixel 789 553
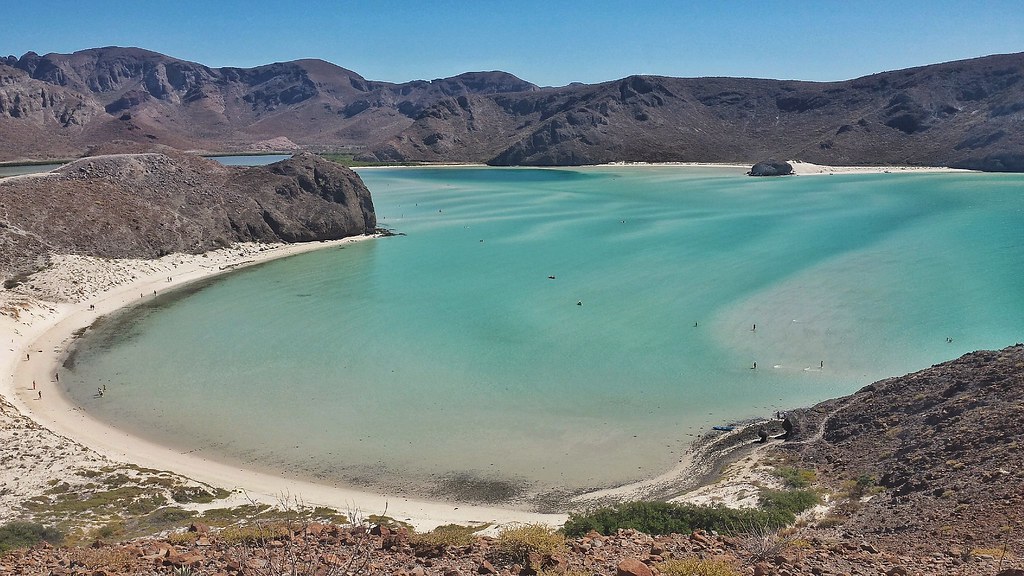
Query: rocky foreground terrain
pixel 938 455
pixel 963 114
pixel 146 205
pixel 327 549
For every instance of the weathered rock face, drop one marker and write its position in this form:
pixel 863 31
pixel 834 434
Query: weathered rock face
pixel 771 168
pixel 941 447
pixel 150 204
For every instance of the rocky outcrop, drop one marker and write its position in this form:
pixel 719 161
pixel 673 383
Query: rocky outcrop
pixel 150 204
pixel 771 168
pixel 937 448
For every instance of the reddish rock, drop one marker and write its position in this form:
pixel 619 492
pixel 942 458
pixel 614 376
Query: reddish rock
pixel 633 567
pixel 700 538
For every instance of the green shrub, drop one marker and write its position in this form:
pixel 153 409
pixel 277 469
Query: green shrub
pixel 515 543
pixel 696 567
pixel 788 501
pixel 667 518
pixel 25 534
pixel 795 477
pixel 778 509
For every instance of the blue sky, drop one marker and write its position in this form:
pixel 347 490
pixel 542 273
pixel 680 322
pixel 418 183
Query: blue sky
pixel 546 42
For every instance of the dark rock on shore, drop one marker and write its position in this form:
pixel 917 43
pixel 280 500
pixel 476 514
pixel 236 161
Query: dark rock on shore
pixel 150 204
pixel 771 168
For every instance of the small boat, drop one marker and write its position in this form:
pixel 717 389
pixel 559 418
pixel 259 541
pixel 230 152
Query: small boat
pixel 724 428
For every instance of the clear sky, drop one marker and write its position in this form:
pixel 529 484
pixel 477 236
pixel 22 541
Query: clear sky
pixel 547 42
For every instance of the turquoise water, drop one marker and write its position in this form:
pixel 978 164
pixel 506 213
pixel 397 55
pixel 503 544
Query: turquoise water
pixel 250 159
pixel 18 170
pixel 448 355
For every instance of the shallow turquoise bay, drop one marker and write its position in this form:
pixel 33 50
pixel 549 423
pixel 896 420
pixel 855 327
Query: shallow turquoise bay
pixel 400 363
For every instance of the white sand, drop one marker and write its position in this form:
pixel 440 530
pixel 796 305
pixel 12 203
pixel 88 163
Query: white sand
pixel 808 169
pixel 37 324
pixel 805 168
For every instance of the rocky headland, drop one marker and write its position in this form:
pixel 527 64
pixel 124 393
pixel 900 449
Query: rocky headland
pixel 146 205
pixel 934 458
pixel 962 114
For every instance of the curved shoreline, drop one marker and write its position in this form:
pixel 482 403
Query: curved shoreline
pixel 37 349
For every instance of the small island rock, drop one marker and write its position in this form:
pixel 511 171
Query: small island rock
pixel 771 168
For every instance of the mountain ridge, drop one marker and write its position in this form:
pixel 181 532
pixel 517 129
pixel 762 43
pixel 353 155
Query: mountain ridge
pixel 963 114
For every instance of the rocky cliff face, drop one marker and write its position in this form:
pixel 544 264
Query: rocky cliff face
pixel 940 452
pixel 965 114
pixel 150 204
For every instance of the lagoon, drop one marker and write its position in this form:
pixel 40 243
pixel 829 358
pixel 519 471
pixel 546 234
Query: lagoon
pixel 451 357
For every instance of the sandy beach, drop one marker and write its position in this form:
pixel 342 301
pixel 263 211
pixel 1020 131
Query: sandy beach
pixel 807 168
pixel 51 438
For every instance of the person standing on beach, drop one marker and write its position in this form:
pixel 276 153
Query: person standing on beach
pixel 40 395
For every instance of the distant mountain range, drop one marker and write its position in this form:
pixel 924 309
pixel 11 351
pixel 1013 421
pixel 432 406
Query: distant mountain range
pixel 968 113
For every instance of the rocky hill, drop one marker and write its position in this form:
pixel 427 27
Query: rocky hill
pixel 58 105
pixel 938 455
pixel 150 204
pixel 964 114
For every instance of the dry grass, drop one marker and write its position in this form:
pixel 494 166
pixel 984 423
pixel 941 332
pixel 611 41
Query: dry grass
pixel 109 559
pixel 517 542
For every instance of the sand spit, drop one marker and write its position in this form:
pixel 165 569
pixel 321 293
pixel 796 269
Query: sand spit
pixel 806 168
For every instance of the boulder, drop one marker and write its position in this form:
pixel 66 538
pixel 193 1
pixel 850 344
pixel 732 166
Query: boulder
pixel 771 168
pixel 633 567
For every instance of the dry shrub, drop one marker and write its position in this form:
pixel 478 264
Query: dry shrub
pixel 182 538
pixel 696 567
pixel 517 542
pixel 449 535
pixel 110 559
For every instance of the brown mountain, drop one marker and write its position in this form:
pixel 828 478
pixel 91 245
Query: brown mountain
pixel 963 114
pixel 150 204
pixel 63 104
